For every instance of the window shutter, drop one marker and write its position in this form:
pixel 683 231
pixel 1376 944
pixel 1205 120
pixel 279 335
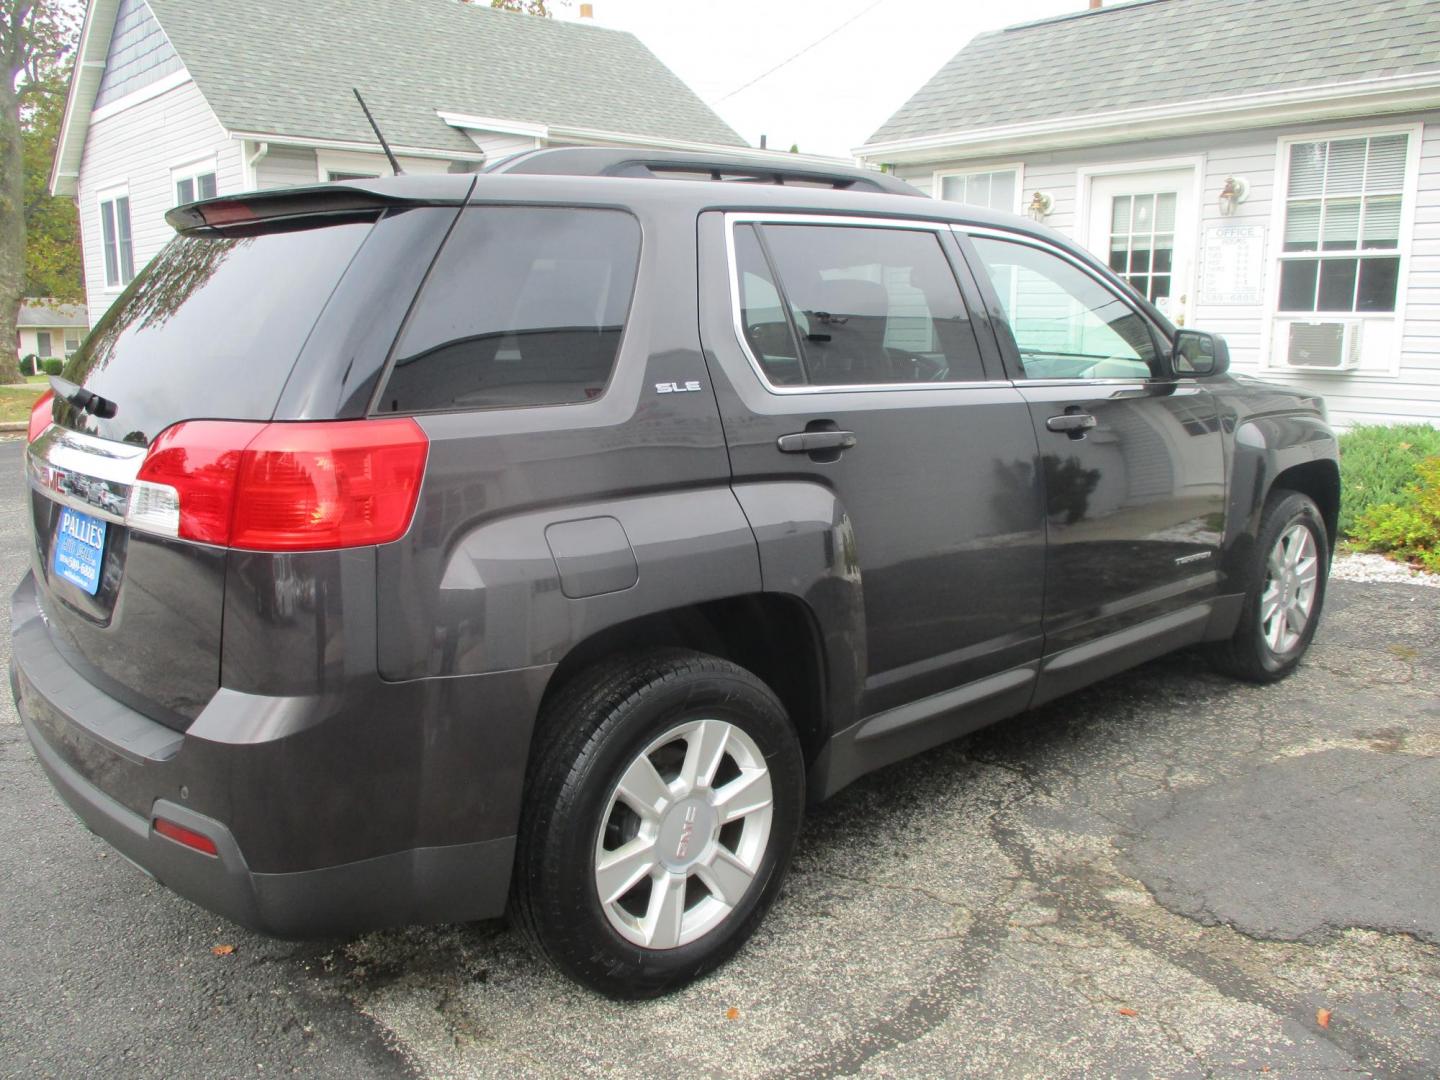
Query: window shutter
pixel 1302 226
pixel 1385 164
pixel 1382 222
pixel 1307 169
pixel 1345 167
pixel 1342 224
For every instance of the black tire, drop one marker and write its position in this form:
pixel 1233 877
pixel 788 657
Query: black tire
pixel 591 732
pixel 1248 654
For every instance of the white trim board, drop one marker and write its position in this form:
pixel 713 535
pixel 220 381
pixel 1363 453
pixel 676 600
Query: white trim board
pixel 1330 101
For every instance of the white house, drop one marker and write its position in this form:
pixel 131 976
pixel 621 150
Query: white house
pixel 174 100
pixel 47 328
pixel 1268 169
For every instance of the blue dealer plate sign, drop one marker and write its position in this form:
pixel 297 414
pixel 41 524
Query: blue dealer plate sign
pixel 79 548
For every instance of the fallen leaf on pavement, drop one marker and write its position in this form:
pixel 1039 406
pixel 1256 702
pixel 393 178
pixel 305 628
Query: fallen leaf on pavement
pixel 1128 1012
pixel 1322 1017
pixel 223 950
pixel 732 1013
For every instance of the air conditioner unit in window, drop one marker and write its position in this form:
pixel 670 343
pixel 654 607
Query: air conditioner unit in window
pixel 1328 345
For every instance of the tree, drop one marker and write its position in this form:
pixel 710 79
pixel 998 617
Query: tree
pixel 53 263
pixel 36 40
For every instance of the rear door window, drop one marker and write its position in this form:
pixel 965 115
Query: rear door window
pixel 525 306
pixel 838 305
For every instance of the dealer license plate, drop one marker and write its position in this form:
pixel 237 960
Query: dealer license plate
pixel 79 549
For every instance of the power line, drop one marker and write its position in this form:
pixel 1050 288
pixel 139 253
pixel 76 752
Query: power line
pixel 802 52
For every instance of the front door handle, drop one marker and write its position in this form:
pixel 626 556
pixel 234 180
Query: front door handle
pixel 806 442
pixel 1074 424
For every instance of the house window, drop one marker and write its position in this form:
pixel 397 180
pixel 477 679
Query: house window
pixel 993 190
pixel 42 344
pixel 115 238
pixel 193 182
pixel 1343 205
pixel 72 342
pixel 334 175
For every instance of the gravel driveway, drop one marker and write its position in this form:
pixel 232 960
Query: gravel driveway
pixel 1169 873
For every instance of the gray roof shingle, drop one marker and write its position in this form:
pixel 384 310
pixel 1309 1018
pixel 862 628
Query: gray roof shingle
pixel 1157 52
pixel 286 68
pixel 44 311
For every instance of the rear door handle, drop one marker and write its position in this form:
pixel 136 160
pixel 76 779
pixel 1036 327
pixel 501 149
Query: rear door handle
pixel 1073 424
pixel 804 442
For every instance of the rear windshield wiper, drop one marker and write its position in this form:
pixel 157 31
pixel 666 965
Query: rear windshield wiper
pixel 83 399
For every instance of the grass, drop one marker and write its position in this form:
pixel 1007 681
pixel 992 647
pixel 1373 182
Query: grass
pixel 16 401
pixel 1377 465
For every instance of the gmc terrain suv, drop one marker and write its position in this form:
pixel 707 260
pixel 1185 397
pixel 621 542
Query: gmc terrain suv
pixel 411 549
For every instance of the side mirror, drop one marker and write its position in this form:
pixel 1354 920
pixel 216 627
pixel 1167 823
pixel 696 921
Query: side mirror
pixel 1200 353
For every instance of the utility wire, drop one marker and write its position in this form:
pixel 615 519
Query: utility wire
pixel 802 52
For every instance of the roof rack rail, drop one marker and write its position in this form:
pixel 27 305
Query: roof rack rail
pixel 681 165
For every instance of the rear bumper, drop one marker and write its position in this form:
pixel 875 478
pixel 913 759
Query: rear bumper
pixel 119 770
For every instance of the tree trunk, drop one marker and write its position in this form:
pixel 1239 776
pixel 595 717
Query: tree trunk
pixel 12 232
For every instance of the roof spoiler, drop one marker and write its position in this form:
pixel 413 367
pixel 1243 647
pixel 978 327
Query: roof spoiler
pixel 297 205
pixel 673 164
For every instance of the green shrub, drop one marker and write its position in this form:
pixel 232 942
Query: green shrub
pixel 53 365
pixel 1377 466
pixel 1409 530
pixel 29 364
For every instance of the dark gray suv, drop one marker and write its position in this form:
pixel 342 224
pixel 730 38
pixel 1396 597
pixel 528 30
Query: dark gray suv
pixel 410 549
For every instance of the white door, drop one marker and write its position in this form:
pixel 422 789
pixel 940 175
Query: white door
pixel 1143 225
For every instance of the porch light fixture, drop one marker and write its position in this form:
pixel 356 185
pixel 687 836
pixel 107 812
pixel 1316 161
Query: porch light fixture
pixel 1040 206
pixel 1235 191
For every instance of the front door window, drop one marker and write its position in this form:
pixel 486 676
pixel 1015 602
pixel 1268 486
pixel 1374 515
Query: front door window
pixel 1065 323
pixel 1142 241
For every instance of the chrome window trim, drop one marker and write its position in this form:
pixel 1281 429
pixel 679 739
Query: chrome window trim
pixel 734 218
pixel 1039 244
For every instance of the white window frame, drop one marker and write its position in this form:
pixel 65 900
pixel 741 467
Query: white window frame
pixel 192 170
pixel 1017 167
pixel 110 195
pixel 1409 196
pixel 346 161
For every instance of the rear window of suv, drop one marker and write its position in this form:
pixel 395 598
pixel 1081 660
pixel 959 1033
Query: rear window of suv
pixel 212 327
pixel 524 306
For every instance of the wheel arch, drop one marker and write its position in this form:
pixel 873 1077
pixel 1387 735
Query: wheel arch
pixel 774 636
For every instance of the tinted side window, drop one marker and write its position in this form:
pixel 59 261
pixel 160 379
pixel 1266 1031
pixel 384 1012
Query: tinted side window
pixel 1066 325
pixel 868 305
pixel 762 313
pixel 525 306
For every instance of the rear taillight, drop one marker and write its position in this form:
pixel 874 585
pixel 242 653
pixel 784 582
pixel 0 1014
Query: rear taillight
pixel 282 487
pixel 41 414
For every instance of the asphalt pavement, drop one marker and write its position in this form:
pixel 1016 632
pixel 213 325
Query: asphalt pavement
pixel 1167 874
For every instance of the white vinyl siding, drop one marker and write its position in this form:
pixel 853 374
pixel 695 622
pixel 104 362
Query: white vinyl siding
pixel 285 166
pixel 134 149
pixel 1399 377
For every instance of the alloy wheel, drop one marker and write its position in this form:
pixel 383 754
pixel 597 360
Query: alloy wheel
pixel 1292 571
pixel 684 834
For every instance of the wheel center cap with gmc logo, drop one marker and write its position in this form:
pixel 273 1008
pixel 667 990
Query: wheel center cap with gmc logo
pixel 685 830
